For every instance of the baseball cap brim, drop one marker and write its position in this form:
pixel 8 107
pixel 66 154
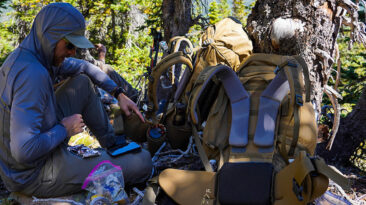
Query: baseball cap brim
pixel 79 40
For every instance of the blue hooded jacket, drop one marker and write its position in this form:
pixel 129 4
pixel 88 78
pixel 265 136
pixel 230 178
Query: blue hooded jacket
pixel 29 130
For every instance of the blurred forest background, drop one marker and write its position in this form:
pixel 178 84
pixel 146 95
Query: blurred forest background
pixel 125 28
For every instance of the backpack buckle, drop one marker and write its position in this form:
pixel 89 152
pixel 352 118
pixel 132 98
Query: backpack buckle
pixel 292 64
pixel 207 42
pixel 299 100
pixel 277 70
pixel 297 189
pixel 313 159
pixel 187 51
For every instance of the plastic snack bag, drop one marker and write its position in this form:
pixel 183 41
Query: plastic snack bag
pixel 106 181
pixel 83 151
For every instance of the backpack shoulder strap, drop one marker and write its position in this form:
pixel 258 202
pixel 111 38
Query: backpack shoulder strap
pixel 239 101
pixel 269 104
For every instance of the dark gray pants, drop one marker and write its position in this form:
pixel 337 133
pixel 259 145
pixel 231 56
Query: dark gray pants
pixel 64 172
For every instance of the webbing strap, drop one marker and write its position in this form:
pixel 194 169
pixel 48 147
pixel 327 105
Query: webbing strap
pixel 269 103
pixel 239 99
pixel 200 150
pixel 305 70
pixel 295 102
pixel 323 168
pixel 293 76
pixel 282 149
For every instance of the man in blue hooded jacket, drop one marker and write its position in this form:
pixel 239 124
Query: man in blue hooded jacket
pixel 36 121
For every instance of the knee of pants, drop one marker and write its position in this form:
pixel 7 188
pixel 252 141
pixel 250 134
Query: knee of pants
pixel 141 169
pixel 77 85
pixel 81 81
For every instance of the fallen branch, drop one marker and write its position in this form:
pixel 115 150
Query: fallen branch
pixel 140 196
pixel 339 63
pixel 337 110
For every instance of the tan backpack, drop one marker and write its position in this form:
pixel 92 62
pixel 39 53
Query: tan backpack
pixel 261 130
pixel 223 43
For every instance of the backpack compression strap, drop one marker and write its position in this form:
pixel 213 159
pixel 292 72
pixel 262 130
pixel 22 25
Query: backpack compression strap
pixel 294 72
pixel 305 70
pixel 163 65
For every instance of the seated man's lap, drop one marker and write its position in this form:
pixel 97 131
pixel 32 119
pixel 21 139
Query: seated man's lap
pixel 65 172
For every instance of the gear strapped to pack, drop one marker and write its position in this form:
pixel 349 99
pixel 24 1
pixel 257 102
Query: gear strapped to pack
pixel 246 128
pixel 162 67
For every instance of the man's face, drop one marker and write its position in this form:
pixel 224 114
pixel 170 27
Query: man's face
pixel 63 50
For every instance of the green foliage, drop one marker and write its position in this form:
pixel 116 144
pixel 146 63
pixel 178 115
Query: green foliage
pixel 108 20
pixel 241 10
pixel 214 12
pixel 353 74
pixel 224 8
pixel 3 4
pixel 133 60
pixel 108 23
pixel 6 42
pixel 153 11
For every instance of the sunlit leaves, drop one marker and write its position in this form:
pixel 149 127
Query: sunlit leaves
pixel 353 74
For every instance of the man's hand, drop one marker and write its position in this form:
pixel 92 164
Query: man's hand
pixel 102 50
pixel 127 106
pixel 74 124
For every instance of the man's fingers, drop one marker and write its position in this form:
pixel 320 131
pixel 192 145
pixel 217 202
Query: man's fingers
pixel 78 115
pixel 80 130
pixel 126 111
pixel 138 113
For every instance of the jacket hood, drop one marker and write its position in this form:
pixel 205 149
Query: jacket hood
pixel 51 24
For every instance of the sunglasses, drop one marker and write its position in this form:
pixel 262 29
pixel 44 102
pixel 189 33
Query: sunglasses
pixel 69 45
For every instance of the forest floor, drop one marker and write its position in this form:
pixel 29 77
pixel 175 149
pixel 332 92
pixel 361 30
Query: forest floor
pixel 167 157
pixel 358 185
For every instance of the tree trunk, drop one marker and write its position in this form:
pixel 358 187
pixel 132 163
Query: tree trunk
pixel 298 27
pixel 176 17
